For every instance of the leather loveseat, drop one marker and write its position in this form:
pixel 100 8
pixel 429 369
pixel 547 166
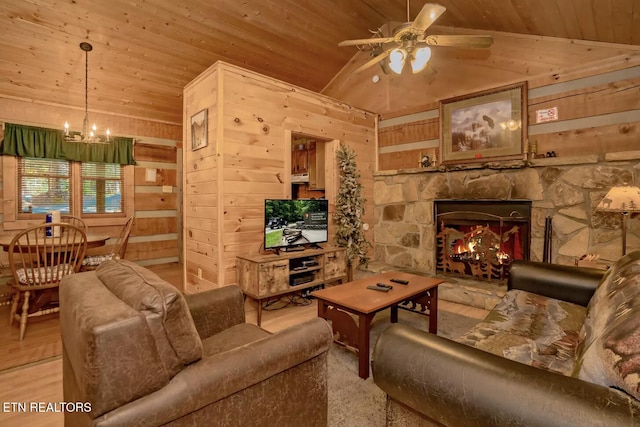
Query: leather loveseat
pixel 562 348
pixel 136 352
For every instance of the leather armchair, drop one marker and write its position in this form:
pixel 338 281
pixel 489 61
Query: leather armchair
pixel 140 353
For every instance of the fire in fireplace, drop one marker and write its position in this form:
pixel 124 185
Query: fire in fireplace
pixel 480 238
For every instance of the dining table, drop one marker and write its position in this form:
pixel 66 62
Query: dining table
pixel 93 241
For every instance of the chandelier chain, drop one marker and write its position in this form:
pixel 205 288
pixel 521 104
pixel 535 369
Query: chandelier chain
pixel 86 136
pixel 86 82
pixel 85 125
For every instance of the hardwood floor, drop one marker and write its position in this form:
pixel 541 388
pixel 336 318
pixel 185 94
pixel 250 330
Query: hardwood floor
pixel 42 381
pixel 41 342
pixel 37 382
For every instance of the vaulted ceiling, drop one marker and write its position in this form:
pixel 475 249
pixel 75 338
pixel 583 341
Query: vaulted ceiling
pixel 146 51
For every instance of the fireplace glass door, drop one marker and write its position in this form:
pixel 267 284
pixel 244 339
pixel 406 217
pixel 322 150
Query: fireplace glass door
pixel 480 238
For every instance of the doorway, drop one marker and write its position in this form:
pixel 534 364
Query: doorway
pixel 311 166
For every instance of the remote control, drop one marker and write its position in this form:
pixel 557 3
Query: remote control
pixel 378 288
pixel 402 282
pixel 382 285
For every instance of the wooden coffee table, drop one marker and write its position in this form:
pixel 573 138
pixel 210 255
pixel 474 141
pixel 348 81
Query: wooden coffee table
pixel 335 304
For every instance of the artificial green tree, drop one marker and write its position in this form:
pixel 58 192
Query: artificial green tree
pixel 349 210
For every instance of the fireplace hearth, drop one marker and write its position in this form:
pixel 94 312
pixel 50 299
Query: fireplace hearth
pixel 480 238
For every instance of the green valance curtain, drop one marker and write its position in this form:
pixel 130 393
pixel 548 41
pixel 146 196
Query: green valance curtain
pixel 29 141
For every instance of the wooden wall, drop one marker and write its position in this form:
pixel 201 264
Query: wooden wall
pixel 155 232
pixel 201 187
pixel 598 113
pixel 403 140
pixel 593 85
pixel 248 159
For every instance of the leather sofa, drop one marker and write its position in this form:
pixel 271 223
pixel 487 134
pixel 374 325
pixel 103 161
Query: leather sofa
pixel 136 352
pixel 562 348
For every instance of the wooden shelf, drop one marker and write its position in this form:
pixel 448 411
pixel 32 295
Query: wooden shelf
pixel 306 270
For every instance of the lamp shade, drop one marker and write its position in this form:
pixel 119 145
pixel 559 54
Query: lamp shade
pixel 420 59
pixel 397 59
pixel 621 199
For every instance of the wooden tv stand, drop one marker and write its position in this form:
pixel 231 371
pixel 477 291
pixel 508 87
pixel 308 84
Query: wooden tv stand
pixel 266 276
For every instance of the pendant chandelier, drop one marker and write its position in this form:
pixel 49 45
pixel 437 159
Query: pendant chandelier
pixel 88 134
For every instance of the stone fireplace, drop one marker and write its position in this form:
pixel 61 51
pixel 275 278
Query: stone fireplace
pixel 564 189
pixel 480 238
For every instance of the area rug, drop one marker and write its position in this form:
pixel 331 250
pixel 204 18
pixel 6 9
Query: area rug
pixel 354 402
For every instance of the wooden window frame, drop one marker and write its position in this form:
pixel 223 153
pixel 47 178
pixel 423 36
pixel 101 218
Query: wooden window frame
pixel 52 176
pixel 100 182
pixel 13 221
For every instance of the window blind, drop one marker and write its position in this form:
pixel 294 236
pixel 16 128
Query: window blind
pixel 102 186
pixel 44 185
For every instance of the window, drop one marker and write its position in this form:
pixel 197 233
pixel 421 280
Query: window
pixel 101 188
pixel 45 185
pixel 102 194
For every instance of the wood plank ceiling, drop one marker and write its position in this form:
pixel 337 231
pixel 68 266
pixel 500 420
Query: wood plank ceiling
pixel 145 51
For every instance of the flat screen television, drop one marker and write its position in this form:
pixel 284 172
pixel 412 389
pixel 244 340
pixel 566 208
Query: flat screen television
pixel 292 224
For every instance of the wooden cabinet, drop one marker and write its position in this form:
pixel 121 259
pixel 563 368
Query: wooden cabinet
pixel 299 161
pixel 272 277
pixel 309 158
pixel 316 166
pixel 335 265
pixel 265 276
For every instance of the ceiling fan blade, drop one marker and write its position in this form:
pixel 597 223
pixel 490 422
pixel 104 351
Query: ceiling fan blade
pixel 374 40
pixel 374 61
pixel 457 40
pixel 427 16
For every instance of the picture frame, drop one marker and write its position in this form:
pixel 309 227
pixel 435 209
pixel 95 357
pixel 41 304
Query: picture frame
pixel 484 126
pixel 199 131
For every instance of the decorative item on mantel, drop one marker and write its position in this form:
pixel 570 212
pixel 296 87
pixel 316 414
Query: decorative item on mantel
pixel 86 135
pixel 625 200
pixel 533 149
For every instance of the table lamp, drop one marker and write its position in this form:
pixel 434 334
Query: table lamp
pixel 625 199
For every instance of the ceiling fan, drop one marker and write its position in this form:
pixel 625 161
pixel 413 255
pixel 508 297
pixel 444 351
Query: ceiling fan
pixel 410 42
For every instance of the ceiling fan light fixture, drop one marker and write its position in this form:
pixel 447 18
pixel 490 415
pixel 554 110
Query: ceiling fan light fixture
pixel 396 60
pixel 420 59
pixel 411 37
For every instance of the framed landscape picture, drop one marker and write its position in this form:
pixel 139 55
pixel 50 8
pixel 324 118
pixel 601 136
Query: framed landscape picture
pixel 199 130
pixel 487 125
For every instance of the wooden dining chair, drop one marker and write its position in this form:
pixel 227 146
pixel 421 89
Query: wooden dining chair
pixel 117 251
pixel 38 263
pixel 70 219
